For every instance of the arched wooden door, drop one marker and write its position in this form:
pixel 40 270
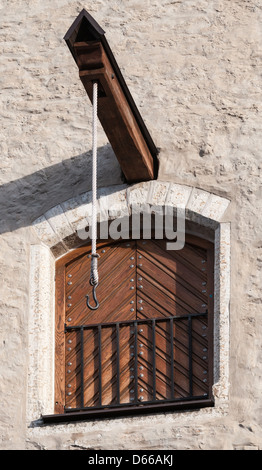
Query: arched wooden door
pixel 150 341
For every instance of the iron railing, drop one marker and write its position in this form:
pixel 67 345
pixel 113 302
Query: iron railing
pixel 154 325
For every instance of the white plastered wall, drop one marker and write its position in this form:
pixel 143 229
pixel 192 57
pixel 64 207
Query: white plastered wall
pixel 62 221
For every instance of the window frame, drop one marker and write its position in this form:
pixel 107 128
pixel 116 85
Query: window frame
pixel 60 299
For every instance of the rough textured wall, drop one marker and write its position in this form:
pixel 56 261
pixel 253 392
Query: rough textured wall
pixel 193 69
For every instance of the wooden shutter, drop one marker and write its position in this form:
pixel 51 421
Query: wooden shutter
pixel 116 292
pixel 144 342
pixel 174 283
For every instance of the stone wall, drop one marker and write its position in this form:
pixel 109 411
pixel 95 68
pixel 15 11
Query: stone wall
pixel 192 67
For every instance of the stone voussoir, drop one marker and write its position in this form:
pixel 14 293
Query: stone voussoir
pixel 120 201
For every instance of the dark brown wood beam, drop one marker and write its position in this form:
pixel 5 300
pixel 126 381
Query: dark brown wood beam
pixel 119 117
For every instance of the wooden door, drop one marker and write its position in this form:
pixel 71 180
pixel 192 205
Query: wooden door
pixel 143 343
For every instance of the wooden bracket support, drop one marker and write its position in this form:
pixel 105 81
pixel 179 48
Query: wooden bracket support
pixel 117 112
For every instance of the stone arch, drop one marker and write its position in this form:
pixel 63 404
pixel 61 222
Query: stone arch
pixel 57 226
pixel 56 230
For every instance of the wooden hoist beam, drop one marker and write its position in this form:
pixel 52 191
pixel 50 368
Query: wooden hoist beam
pixel 117 112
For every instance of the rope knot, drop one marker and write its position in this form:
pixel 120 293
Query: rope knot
pixel 94 278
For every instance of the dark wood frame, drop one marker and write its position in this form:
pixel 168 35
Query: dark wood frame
pixel 60 342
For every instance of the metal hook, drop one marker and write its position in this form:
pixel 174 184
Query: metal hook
pixel 94 297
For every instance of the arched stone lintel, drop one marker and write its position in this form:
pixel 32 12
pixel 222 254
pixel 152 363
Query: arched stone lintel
pixel 66 218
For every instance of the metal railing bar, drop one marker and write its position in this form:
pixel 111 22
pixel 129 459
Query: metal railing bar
pixel 136 361
pixel 172 356
pixel 154 357
pixel 130 322
pixel 82 367
pixel 190 365
pixel 149 402
pixel 117 364
pixel 100 365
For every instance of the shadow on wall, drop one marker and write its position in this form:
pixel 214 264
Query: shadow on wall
pixel 25 199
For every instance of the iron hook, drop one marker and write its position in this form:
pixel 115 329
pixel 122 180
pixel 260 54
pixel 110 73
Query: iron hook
pixel 94 297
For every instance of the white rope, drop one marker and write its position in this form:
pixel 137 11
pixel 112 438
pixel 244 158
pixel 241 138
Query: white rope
pixel 94 271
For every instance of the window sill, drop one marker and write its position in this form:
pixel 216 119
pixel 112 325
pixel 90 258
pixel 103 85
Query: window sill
pixel 104 413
